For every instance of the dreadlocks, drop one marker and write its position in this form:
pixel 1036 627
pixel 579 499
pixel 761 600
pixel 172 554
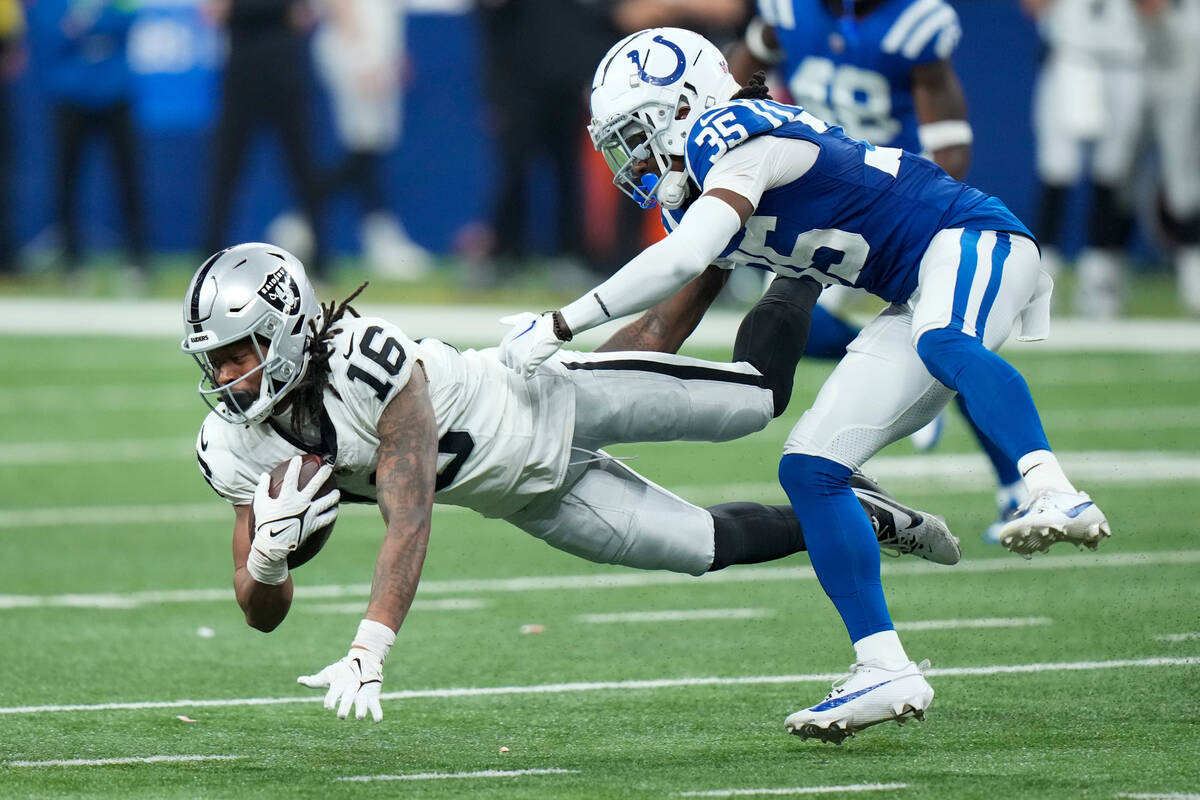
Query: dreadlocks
pixel 755 88
pixel 307 399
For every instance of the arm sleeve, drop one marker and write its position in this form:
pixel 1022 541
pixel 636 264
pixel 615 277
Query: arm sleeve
pixel 660 269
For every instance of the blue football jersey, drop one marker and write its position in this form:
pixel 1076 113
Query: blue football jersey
pixel 861 216
pixel 856 74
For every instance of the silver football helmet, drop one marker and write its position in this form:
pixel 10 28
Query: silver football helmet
pixel 639 94
pixel 258 292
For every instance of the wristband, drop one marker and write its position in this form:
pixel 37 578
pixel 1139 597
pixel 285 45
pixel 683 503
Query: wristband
pixel 945 133
pixel 374 637
pixel 756 42
pixel 561 329
pixel 264 570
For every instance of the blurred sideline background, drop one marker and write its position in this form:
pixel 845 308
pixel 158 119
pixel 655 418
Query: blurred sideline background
pixel 440 179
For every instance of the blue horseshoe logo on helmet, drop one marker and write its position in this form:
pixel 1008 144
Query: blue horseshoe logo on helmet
pixel 665 80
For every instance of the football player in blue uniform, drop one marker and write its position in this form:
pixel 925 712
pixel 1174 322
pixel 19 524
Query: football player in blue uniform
pixel 878 68
pixel 755 183
pixel 881 70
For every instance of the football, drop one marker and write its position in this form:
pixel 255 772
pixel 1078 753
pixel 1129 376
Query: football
pixel 316 540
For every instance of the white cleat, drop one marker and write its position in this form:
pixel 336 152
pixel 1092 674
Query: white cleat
pixel 869 695
pixel 1050 516
pixel 904 531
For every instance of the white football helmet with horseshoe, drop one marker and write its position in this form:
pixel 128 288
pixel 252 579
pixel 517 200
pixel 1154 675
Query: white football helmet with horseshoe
pixel 647 92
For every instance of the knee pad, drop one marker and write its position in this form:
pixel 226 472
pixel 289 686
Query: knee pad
pixel 945 353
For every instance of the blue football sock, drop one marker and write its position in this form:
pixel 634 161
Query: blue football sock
pixel 1006 469
pixel 996 397
pixel 841 541
pixel 828 336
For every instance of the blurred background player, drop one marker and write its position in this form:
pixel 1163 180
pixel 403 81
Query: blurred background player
pixel 79 55
pixel 359 54
pixel 265 86
pixel 539 56
pixel 1173 95
pixel 1088 105
pixel 12 62
pixel 882 71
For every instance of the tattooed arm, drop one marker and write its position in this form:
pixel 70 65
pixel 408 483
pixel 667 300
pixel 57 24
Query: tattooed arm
pixel 665 327
pixel 405 480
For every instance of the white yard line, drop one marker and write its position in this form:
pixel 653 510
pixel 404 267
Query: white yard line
pixel 89 399
pixel 985 622
pixel 686 615
pixel 100 762
pixel 478 325
pixel 851 787
pixel 625 686
pixel 619 580
pixel 174 448
pixel 945 473
pixel 1161 796
pixel 1178 637
pixel 486 773
pixel 447 604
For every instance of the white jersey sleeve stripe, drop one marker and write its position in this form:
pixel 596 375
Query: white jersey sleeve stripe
pixel 941 19
pixel 777 13
pixel 905 23
pixel 948 40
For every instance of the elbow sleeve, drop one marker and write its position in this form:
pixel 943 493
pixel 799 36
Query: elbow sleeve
pixel 660 269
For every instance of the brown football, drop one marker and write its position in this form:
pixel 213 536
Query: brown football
pixel 316 540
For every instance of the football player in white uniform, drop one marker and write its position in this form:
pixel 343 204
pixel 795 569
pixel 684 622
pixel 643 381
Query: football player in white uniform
pixel 1173 97
pixel 1094 63
pixel 406 423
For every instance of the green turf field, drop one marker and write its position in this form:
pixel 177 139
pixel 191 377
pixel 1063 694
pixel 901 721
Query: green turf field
pixel 117 619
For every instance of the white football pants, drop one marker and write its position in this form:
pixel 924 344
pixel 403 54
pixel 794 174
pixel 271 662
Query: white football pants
pixel 606 512
pixel 881 391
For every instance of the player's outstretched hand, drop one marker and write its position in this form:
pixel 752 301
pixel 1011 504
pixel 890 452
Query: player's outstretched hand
pixel 283 523
pixel 353 680
pixel 530 342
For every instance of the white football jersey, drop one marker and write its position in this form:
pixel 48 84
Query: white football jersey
pixel 1104 29
pixel 502 439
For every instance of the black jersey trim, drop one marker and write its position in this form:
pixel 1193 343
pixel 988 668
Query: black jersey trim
pixel 326 448
pixel 686 372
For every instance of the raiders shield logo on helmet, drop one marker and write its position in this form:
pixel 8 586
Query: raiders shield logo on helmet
pixel 280 290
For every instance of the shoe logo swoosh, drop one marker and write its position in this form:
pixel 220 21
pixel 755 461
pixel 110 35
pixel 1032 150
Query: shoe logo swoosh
pixel 203 440
pixel 349 349
pixel 899 513
pixel 846 698
pixel 274 527
pixel 1079 509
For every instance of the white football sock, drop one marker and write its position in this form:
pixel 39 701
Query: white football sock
pixel 1011 494
pixel 881 648
pixel 1041 470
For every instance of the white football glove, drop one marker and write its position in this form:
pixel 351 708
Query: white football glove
pixel 281 524
pixel 357 678
pixel 530 342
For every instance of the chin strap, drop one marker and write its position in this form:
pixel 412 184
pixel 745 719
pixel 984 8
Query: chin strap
pixel 672 190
